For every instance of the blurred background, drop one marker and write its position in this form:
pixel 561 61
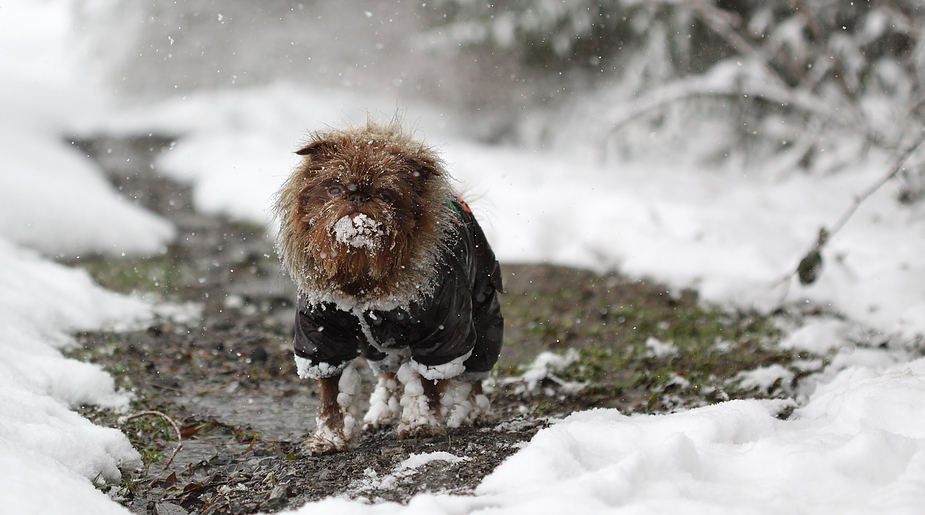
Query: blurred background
pixel 814 81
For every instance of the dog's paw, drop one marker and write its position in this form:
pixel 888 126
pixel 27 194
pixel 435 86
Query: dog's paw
pixel 327 439
pixel 418 416
pixel 419 431
pixel 465 404
pixel 325 443
pixel 385 403
pixel 337 421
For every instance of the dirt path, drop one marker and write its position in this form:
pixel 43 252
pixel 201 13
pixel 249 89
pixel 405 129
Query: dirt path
pixel 225 375
pixel 221 366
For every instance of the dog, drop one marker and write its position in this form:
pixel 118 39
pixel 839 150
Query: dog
pixel 390 265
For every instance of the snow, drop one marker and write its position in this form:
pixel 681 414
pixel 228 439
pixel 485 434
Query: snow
pixel 41 440
pixel 854 444
pixel 763 378
pixel 545 366
pixel 403 471
pixel 462 406
pixel 384 403
pixel 416 412
pixel 349 389
pixel 731 458
pixel 51 198
pixel 660 349
pixel 309 370
pixel 818 336
pixel 447 370
pixel 358 231
pixel 327 438
pixel 419 460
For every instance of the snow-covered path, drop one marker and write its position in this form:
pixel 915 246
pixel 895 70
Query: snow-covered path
pixel 857 445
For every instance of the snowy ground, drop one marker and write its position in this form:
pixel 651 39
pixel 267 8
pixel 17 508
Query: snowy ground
pixel 855 445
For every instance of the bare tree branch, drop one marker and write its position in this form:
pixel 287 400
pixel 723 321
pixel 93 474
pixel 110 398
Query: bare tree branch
pixel 723 83
pixel 838 68
pixel 808 268
pixel 720 22
pixel 897 167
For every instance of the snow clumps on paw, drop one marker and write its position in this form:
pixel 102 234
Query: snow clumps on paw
pixel 328 438
pixel 325 441
pixel 416 417
pixel 456 402
pixel 349 386
pixel 463 405
pixel 384 403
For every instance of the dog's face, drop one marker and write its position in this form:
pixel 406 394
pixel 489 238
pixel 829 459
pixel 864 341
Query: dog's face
pixel 356 211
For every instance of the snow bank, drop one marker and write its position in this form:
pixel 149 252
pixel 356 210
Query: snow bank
pixel 857 447
pixel 40 485
pixel 732 237
pixel 54 201
pixel 42 441
pixel 51 197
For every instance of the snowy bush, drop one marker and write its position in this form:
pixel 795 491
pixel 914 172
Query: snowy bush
pixel 790 84
pixel 813 81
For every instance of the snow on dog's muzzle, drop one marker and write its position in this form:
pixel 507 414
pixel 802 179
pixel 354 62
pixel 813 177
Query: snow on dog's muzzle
pixel 358 231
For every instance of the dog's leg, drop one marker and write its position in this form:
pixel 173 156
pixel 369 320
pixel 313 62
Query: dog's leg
pixel 434 391
pixel 465 403
pixel 337 419
pixel 385 402
pixel 422 412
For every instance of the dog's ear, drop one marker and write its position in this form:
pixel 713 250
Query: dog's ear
pixel 317 148
pixel 422 167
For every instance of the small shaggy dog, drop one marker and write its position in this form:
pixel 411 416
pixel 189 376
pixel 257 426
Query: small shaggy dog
pixel 392 266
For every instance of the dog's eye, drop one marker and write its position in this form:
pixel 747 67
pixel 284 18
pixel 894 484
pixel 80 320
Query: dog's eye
pixel 335 191
pixel 387 197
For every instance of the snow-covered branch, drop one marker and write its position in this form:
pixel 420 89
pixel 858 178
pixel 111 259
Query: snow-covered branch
pixel 821 71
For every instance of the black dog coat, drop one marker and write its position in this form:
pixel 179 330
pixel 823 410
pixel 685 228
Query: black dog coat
pixel 456 329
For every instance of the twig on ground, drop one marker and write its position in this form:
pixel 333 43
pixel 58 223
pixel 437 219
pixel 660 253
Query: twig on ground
pixel 176 428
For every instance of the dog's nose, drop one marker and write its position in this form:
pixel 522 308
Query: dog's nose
pixel 357 198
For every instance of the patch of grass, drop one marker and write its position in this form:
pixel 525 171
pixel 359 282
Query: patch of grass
pixel 124 362
pixel 151 436
pixel 161 274
pixel 186 268
pixel 609 320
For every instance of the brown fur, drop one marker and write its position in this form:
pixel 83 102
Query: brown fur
pixel 377 171
pixel 434 391
pixel 329 412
